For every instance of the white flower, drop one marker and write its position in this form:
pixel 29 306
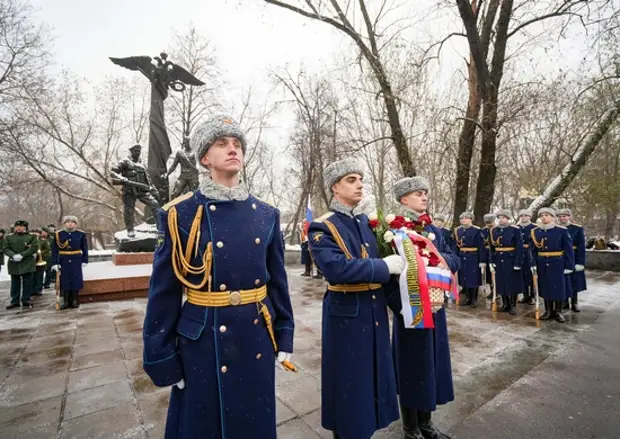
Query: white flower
pixel 426 262
pixel 431 236
pixel 388 236
pixel 407 219
pixel 372 216
pixel 389 218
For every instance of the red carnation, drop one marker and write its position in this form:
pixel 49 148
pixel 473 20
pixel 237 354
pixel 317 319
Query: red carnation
pixel 425 219
pixel 409 224
pixel 373 223
pixel 398 222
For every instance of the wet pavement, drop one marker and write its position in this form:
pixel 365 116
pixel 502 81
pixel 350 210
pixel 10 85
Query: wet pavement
pixel 78 373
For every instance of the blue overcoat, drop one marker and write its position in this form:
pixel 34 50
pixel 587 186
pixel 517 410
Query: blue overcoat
pixel 422 356
pixel 358 387
pixel 552 250
pixel 507 254
pixel 224 354
pixel 528 282
pixel 578 278
pixel 448 238
pixel 471 251
pixel 71 277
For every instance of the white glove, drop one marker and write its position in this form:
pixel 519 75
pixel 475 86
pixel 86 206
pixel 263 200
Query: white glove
pixel 84 264
pixel 181 384
pixel 282 356
pixel 579 267
pixel 395 264
pixel 492 268
pixel 566 271
pixel 534 269
pixel 482 265
pixel 56 267
pixel 17 257
pixel 517 268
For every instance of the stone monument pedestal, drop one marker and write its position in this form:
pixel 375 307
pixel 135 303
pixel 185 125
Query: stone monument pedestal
pixel 128 274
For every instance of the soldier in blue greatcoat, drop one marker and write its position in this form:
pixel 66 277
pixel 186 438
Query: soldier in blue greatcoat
pixel 222 248
pixel 473 255
pixel 421 356
pixel 506 259
pixel 69 256
pixel 439 221
pixel 489 223
pixel 553 261
pixel 578 277
pixel 526 225
pixel 358 387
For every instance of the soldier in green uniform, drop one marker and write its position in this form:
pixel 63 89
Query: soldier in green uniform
pixel 1 253
pixel 44 252
pixel 21 248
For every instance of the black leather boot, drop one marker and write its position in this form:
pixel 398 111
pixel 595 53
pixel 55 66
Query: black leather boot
pixel 308 271
pixel 467 295
pixel 411 428
pixel 547 314
pixel 575 303
pixel 65 300
pixel 513 305
pixel 474 298
pixel 335 435
pixel 428 429
pixel 564 305
pixel 75 299
pixel 558 312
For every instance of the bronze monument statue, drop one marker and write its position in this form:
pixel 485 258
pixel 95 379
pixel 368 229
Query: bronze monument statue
pixel 163 75
pixel 188 179
pixel 132 174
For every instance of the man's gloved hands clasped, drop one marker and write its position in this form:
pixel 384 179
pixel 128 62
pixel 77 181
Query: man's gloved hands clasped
pixel 17 257
pixel 492 268
pixel 395 264
pixel 56 267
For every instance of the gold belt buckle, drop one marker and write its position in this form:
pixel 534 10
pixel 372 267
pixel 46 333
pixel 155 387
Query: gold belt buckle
pixel 234 298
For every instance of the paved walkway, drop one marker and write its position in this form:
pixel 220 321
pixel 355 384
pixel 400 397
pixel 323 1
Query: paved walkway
pixel 78 373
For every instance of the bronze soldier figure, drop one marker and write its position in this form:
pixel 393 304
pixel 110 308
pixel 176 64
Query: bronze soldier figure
pixel 188 179
pixel 132 174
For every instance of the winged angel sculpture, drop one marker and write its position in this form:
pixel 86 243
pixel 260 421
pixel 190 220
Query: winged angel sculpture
pixel 163 75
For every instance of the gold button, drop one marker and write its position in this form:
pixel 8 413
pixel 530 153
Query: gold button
pixel 223 287
pixel 223 328
pixel 224 369
pixel 258 356
pixel 256 321
pixel 377 323
pixel 366 244
pixel 220 244
pixel 374 297
pixel 254 206
pixel 212 207
pixel 257 240
pixel 257 281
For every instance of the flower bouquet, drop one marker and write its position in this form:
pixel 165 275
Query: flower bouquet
pixel 426 279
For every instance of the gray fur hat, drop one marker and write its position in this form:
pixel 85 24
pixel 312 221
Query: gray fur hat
pixel 503 212
pixel 466 215
pixel 548 210
pixel 336 170
pixel 490 218
pixel 69 218
pixel 136 146
pixel 407 185
pixel 526 212
pixel 439 217
pixel 207 132
pixel 564 212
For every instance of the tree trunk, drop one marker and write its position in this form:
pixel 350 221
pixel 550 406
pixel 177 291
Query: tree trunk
pixel 485 187
pixel 466 146
pixel 557 186
pixel 610 222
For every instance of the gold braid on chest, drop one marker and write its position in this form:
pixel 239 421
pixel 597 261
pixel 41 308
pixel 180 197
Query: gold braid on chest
pixel 537 244
pixel 61 245
pixel 497 242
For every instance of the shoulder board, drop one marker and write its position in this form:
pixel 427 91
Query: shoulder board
pixel 475 226
pixel 516 227
pixel 177 200
pixel 578 225
pixel 263 201
pixel 323 217
pixel 561 227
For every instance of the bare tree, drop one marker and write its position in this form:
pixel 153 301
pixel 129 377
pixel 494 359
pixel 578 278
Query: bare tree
pixel 370 40
pixel 197 55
